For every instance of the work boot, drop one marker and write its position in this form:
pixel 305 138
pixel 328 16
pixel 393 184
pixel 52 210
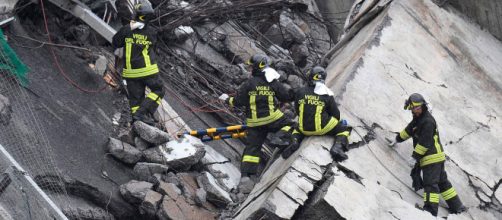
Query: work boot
pixel 143 118
pixel 246 185
pixel 459 210
pixel 337 151
pixel 455 206
pixel 290 149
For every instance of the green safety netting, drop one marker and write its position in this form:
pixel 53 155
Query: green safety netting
pixel 11 63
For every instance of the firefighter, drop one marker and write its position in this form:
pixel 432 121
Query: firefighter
pixel 140 67
pixel 260 95
pixel 430 157
pixel 318 114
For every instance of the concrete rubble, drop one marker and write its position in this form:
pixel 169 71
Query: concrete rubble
pixel 286 184
pixel 177 155
pixel 135 191
pixel 385 50
pixel 340 197
pixel 221 168
pixel 375 179
pixel 149 205
pixel 123 151
pixel 141 144
pixel 150 134
pixel 144 171
pixel 215 193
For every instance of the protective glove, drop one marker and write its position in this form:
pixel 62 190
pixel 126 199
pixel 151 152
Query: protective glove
pixel 337 153
pixel 416 177
pixel 223 97
pixel 290 149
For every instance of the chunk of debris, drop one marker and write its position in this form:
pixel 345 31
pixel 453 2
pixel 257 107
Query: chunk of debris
pixel 144 171
pixel 135 191
pixel 216 164
pixel 100 65
pixel 341 197
pixel 200 196
pixel 285 186
pixel 149 205
pixel 169 189
pixel 215 194
pixel 150 134
pixel 291 31
pixel 123 151
pixel 179 209
pixel 5 110
pixel 141 144
pixel 177 155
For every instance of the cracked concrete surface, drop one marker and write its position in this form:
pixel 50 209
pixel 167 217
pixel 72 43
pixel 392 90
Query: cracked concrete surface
pixel 415 46
pixel 411 46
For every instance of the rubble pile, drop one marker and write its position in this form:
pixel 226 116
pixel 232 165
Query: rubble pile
pixel 387 50
pixel 177 179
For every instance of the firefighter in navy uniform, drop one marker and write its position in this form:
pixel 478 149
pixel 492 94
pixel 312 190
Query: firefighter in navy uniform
pixel 140 67
pixel 318 114
pixel 260 95
pixel 430 157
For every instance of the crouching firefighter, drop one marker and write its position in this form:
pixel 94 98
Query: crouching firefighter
pixel 318 114
pixel 140 66
pixel 260 95
pixel 430 157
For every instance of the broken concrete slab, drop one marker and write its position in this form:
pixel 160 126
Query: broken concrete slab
pixel 200 196
pixel 180 209
pixel 452 67
pixel 221 168
pixel 169 189
pixel 341 198
pixel 150 134
pixel 178 155
pixel 231 42
pixel 141 144
pixel 475 213
pixel 149 205
pixel 144 171
pixel 215 193
pixel 135 191
pixel 296 176
pixel 123 151
pixel 5 110
pixel 188 183
pixel 291 31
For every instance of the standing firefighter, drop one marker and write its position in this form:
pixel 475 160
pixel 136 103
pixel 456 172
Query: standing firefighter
pixel 140 68
pixel 430 157
pixel 318 114
pixel 260 95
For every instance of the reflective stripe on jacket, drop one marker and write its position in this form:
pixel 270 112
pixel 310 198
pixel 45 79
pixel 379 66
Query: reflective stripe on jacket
pixel 426 142
pixel 261 100
pixel 140 59
pixel 317 114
